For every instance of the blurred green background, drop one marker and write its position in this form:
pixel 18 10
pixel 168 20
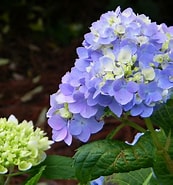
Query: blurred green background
pixel 64 20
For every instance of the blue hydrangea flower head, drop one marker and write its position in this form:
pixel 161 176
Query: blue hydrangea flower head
pixel 125 64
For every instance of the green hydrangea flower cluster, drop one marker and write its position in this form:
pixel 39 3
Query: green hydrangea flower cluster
pixel 21 145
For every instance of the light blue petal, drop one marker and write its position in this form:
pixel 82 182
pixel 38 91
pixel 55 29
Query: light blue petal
pixel 98 181
pixel 123 96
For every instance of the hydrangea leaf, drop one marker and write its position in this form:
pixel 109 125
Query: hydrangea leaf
pixel 142 176
pixel 163 163
pixel 105 157
pixel 163 117
pixel 57 167
pixel 34 179
pixel 161 170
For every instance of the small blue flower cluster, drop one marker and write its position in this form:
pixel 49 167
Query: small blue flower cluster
pixel 125 64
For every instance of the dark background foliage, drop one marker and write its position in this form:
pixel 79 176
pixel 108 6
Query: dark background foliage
pixel 38 41
pixel 64 20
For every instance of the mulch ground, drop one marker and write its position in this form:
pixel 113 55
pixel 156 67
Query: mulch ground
pixel 33 72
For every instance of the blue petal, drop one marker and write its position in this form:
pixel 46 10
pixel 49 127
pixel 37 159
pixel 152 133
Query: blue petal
pixel 59 135
pixel 123 96
pixel 98 181
pixel 95 125
pixel 165 83
pixel 117 85
pixel 66 89
pixel 85 134
pixel 132 87
pixel 56 122
pixel 147 112
pixel 116 108
pixel 88 111
pixel 68 138
pixel 136 110
pixel 104 100
pixel 75 127
pixel 82 64
pixel 82 52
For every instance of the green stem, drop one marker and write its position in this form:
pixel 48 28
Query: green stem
pixel 153 134
pixel 125 122
pixel 134 125
pixel 18 173
pixel 115 131
pixel 163 150
pixel 1 179
pixel 7 181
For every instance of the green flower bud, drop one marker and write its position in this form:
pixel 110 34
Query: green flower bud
pixel 21 145
pixel 148 73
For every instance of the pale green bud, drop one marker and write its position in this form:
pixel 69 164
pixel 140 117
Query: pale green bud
pixel 120 29
pixel 124 56
pixel 137 77
pixel 148 73
pixel 109 76
pixel 158 58
pixel 134 58
pixel 114 20
pixel 21 145
pixel 165 45
pixel 142 40
pixel 144 18
pixel 64 112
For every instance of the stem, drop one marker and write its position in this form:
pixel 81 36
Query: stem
pixel 115 131
pixel 1 179
pixel 125 122
pixel 18 173
pixel 153 134
pixel 168 141
pixel 134 125
pixel 163 150
pixel 8 176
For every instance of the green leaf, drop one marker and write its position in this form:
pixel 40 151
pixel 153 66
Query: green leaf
pixel 142 176
pixel 163 161
pixel 162 171
pixel 34 179
pixel 163 117
pixel 58 167
pixel 105 157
